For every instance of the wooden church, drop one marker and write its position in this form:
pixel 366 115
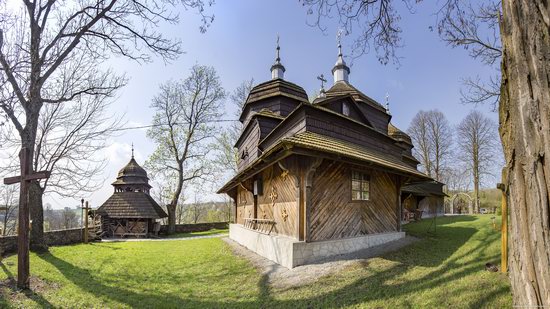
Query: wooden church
pixel 131 211
pixel 317 179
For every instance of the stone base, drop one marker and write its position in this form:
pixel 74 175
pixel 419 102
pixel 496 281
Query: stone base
pixel 290 252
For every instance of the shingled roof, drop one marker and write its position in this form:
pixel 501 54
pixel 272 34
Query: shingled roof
pixel 343 148
pixel 131 205
pixel 426 188
pixel 342 88
pixel 330 145
pixel 398 135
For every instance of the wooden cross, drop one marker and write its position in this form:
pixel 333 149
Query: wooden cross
pixel 323 80
pixel 86 209
pixel 23 227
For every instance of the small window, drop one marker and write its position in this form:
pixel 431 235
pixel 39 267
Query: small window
pixel 244 154
pixel 345 108
pixel 360 186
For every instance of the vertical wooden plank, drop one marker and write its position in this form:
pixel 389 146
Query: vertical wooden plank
pixel 301 204
pixel 255 208
pixel 86 223
pixel 235 201
pixel 503 229
pixel 23 268
pixel 399 210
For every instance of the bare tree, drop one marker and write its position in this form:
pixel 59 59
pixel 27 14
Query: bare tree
pixel 53 53
pixel 456 178
pixel 183 130
pixel 70 137
pixel 180 210
pixel 9 201
pixel 69 218
pixel 432 137
pixel 474 27
pixel 196 210
pixel 228 156
pixel 523 111
pixel 477 142
pixel 377 22
pixel 61 219
pixel 227 208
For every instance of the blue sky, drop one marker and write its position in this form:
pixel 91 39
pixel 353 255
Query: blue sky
pixel 240 45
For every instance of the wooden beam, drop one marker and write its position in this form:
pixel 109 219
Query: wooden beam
pixel 503 229
pixel 33 176
pixel 12 180
pixel 23 267
pixel 399 208
pixel 23 227
pixel 86 209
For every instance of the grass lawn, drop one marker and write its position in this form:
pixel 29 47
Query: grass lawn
pixel 210 232
pixel 443 270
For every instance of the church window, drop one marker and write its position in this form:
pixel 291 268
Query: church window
pixel 244 154
pixel 360 186
pixel 345 108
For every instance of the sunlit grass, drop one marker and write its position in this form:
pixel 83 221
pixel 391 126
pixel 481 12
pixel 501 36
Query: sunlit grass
pixel 442 270
pixel 210 232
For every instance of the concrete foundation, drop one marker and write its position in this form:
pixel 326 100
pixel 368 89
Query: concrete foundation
pixel 290 252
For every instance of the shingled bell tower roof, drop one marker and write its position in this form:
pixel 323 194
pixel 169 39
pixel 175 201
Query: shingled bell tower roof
pixel 131 199
pixel 132 175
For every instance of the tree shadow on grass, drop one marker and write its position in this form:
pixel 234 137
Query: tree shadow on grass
pixel 32 293
pixel 442 253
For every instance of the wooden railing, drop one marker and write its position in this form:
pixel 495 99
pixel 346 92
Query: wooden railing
pixel 260 225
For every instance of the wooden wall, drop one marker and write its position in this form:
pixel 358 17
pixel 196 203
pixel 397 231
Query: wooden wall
pixel 326 124
pixel 283 189
pixel 245 204
pixel 334 215
pixel 377 118
pixel 279 105
pixel 250 144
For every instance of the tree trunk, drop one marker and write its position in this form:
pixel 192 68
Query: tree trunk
pixel 524 114
pixel 38 242
pixel 476 191
pixel 171 218
pixel 175 199
pixel 28 140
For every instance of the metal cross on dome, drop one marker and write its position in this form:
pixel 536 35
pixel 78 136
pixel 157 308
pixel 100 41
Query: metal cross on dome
pixel 387 102
pixel 323 80
pixel 339 36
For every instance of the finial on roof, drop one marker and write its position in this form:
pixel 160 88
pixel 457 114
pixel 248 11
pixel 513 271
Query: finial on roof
pixel 339 39
pixel 388 103
pixel 340 71
pixel 277 69
pixel 132 150
pixel 322 93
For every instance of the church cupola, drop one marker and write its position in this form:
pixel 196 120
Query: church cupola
pixel 340 71
pixel 132 178
pixel 277 69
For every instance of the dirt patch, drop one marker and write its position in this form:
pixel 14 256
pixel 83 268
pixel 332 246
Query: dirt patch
pixel 282 277
pixel 9 290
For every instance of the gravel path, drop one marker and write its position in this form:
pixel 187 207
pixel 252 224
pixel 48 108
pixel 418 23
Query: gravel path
pixel 279 276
